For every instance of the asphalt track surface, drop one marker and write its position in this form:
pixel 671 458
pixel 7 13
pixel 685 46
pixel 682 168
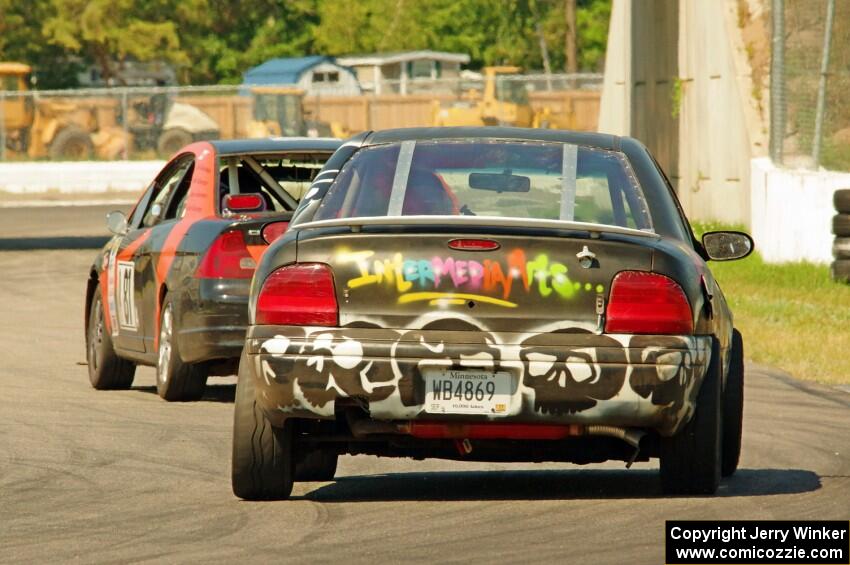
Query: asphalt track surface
pixel 59 221
pixel 124 476
pixel 61 227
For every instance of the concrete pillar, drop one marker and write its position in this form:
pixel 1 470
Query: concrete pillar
pixel 671 81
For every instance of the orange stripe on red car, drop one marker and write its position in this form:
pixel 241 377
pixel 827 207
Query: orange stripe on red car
pixel 127 253
pixel 199 205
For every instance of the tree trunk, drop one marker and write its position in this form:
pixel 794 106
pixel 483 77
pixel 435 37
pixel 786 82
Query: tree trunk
pixel 570 36
pixel 102 58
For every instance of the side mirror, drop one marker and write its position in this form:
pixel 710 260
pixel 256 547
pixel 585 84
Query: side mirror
pixel 727 245
pixel 116 221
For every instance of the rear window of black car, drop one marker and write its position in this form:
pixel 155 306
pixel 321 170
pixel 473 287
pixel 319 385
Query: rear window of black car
pixel 491 178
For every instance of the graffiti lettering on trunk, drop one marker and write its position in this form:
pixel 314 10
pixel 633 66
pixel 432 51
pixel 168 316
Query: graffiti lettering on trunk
pixel 453 281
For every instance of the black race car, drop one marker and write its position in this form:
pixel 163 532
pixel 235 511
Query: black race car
pixel 490 294
pixel 170 289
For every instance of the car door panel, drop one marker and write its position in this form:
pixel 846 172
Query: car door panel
pixel 166 224
pixel 131 266
pixel 124 286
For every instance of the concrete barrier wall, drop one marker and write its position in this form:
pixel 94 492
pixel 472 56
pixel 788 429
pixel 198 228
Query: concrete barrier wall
pixel 792 212
pixel 77 177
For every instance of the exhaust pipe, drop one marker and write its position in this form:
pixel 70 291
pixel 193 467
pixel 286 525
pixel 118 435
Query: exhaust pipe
pixel 628 435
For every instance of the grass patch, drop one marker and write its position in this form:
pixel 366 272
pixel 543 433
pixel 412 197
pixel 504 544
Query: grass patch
pixel 792 316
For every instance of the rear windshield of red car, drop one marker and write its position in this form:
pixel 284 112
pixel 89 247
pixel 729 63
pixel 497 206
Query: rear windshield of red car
pixel 490 178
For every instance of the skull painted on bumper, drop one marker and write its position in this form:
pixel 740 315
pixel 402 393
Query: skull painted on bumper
pixel 428 348
pixel 574 379
pixel 331 364
pixel 667 369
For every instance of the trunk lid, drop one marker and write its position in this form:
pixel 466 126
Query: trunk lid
pixel 394 279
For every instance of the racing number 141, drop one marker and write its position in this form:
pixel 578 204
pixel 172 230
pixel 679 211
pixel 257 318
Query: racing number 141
pixel 126 295
pixel 462 390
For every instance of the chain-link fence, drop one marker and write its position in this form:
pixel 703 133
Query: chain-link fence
pixel 146 123
pixel 810 83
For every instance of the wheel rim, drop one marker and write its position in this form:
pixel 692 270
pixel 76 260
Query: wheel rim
pixel 96 337
pixel 165 333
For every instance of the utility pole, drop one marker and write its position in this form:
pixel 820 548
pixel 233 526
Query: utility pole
pixel 544 53
pixel 570 36
pixel 777 81
pixel 544 49
pixel 824 71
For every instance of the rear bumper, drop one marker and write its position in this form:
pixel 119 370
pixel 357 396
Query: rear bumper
pixel 211 342
pixel 641 381
pixel 214 320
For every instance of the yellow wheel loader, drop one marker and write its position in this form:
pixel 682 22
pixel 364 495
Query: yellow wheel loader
pixel 279 111
pixel 503 102
pixel 58 128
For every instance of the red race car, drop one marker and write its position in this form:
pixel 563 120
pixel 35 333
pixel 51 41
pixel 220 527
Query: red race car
pixel 170 289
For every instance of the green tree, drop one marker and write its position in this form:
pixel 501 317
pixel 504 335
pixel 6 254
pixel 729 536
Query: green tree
pixel 21 40
pixel 592 19
pixel 490 31
pixel 223 38
pixel 212 41
pixel 109 31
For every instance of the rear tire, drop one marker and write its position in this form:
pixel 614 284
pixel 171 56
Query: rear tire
pixel 176 380
pixel 690 460
pixel 733 407
pixel 263 465
pixel 107 371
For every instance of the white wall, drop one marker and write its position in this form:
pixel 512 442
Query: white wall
pixel 792 212
pixel 78 177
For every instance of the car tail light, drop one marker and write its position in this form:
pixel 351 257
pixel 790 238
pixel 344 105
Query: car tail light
pixel 227 258
pixel 647 303
pixel 474 244
pixel 244 202
pixel 274 230
pixel 298 295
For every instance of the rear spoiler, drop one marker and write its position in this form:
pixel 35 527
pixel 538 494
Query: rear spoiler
pixel 483 221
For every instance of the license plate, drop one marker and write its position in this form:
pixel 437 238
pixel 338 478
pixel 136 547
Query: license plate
pixel 467 392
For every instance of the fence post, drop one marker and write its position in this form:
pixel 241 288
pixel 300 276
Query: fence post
pixel 777 81
pixel 124 119
pixel 2 126
pixel 824 70
pixel 367 111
